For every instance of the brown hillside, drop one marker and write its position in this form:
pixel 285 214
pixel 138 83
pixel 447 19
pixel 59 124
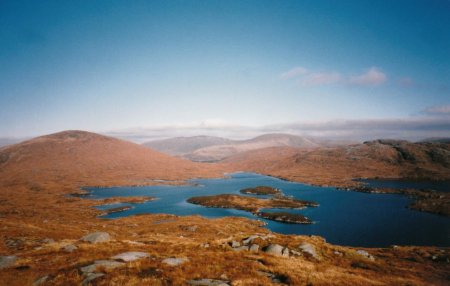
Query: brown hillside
pixel 338 166
pixel 86 158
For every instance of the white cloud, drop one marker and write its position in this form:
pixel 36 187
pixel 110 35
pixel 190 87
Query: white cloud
pixel 294 72
pixel 438 110
pixel 322 78
pixel 372 76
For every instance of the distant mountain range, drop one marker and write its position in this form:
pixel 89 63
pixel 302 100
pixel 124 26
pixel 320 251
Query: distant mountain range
pixel 210 149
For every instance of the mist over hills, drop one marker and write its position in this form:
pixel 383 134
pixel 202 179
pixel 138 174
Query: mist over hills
pixel 209 148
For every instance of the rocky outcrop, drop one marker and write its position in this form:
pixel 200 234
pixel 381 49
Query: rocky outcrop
pixel 96 237
pixel 104 264
pixel 277 250
pixel 208 282
pixel 7 261
pixel 175 261
pixel 130 256
pixel 308 249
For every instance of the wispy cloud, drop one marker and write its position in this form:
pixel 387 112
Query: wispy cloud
pixel 438 110
pixel 372 77
pixel 322 78
pixel 294 72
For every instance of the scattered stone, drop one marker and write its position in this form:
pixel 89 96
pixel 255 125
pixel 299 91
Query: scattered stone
pixel 240 248
pixel 308 249
pixel 254 248
pixel 69 248
pixel 205 245
pixel 274 249
pixel 250 239
pixel 90 277
pixel 295 252
pixel 130 256
pixel 285 252
pixel 40 280
pixel 48 240
pixel 365 254
pixel 208 282
pixel 105 264
pixel 191 228
pixel 173 261
pixel 6 261
pixel 338 253
pixel 235 244
pixel 96 237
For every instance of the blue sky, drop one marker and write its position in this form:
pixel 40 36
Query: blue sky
pixel 135 65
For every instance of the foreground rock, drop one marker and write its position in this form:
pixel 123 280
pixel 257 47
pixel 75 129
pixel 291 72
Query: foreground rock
pixel 309 249
pixel 7 261
pixel 91 277
pixel 277 250
pixel 130 256
pixel 103 264
pixel 208 282
pixel 96 237
pixel 365 254
pixel 174 261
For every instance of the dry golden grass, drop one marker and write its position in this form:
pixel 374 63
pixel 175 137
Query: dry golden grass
pixel 37 176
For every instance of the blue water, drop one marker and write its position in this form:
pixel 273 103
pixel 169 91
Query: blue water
pixel 440 186
pixel 345 218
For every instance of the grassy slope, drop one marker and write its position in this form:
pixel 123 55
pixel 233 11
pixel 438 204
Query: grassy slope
pixel 36 176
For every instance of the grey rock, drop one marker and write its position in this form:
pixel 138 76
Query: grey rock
pixel 69 248
pixel 240 248
pixel 40 280
pixel 174 261
pixel 235 243
pixel 308 249
pixel 96 237
pixel 48 240
pixel 105 264
pixel 254 248
pixel 250 239
pixel 274 249
pixel 338 253
pixel 6 261
pixel 365 254
pixel 296 253
pixel 285 252
pixel 208 282
pixel 90 277
pixel 131 256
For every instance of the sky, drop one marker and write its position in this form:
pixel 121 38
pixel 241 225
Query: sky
pixel 350 68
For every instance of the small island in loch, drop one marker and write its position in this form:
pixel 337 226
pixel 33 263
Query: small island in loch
pixel 254 205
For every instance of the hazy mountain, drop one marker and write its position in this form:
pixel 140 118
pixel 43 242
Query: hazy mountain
pixel 184 145
pixel 205 148
pixel 9 141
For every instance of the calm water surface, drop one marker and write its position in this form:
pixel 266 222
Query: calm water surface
pixel 345 218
